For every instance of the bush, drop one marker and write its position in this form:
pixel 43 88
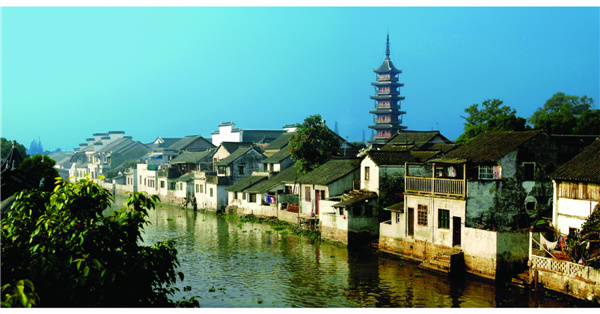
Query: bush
pixel 77 257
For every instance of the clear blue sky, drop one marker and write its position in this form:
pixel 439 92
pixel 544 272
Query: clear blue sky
pixel 67 73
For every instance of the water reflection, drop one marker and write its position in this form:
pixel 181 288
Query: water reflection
pixel 233 264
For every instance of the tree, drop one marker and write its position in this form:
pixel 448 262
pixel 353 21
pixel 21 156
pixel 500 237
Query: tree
pixel 566 114
pixel 313 144
pixel 491 117
pixel 78 257
pixel 7 146
pixel 40 167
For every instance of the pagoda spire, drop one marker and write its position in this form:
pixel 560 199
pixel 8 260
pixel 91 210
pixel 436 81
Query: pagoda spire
pixel 387 46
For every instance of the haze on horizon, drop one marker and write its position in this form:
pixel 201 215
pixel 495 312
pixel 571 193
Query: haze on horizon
pixel 174 71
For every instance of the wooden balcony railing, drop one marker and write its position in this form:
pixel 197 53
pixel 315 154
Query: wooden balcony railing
pixel 436 186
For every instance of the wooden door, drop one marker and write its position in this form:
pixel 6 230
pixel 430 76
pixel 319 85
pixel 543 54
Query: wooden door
pixel 456 229
pixel 411 221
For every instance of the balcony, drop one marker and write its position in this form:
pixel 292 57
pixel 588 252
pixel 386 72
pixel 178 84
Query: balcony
pixel 435 186
pixel 445 180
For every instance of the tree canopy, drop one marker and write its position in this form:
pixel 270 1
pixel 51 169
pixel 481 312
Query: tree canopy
pixel 492 116
pixel 40 167
pixel 313 144
pixel 36 147
pixel 78 257
pixel 567 114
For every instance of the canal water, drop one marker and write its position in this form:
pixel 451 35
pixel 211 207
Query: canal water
pixel 230 264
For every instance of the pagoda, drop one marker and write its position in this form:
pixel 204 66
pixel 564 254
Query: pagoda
pixel 387 100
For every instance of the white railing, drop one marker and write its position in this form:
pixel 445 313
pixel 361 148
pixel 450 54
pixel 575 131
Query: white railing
pixel 564 267
pixel 435 186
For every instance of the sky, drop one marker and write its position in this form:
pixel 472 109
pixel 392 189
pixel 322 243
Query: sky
pixel 69 72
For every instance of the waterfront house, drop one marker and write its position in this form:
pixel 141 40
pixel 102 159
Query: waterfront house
pixel 333 178
pixel 576 186
pixel 238 200
pixel 378 165
pixel 473 201
pixel 350 218
pixel 275 197
pixel 278 161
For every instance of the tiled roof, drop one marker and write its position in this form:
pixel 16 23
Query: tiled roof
pixel 261 136
pixel 233 146
pixel 187 141
pixel 387 66
pixel 235 155
pixel 186 177
pixel 191 157
pixel 424 155
pixel 395 207
pixel 583 167
pixel 169 141
pixel 331 171
pixel 356 199
pixel 491 145
pixel 383 158
pixel 289 174
pixel 278 156
pixel 408 137
pixel 280 142
pixel 246 183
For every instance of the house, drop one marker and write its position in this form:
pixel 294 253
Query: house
pixel 333 178
pixel 240 163
pixel 474 201
pixel 576 186
pixel 269 196
pixel 210 190
pixel 239 200
pixel 227 148
pixel 377 165
pixel 278 161
pixel 278 144
pixel 229 133
pixel 190 161
pixel 353 220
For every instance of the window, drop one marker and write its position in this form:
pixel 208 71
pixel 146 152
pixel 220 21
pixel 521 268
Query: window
pixel 307 193
pixel 367 173
pixel 422 215
pixel 197 188
pixel 443 218
pixel 171 185
pixel 341 211
pixel 241 169
pixel 252 197
pixel 211 192
pixel 528 171
pixel 322 194
pixel 162 184
pixel 244 196
pixel 221 170
pixel 397 218
pixel 201 188
pixel 235 195
pixel 486 172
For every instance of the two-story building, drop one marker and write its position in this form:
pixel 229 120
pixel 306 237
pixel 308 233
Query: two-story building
pixel 476 201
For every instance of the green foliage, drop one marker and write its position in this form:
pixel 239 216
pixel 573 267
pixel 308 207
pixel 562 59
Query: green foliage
pixel 38 167
pixel 36 147
pixel 389 189
pixel 580 247
pixel 493 117
pixel 23 295
pixel 79 257
pixel 313 144
pixel 567 114
pixel 7 146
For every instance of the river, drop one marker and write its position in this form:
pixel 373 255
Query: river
pixel 230 264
